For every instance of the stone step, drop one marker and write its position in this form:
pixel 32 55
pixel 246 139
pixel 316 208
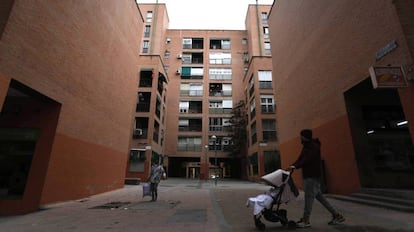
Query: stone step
pixel 377 201
pixel 394 193
pixel 387 199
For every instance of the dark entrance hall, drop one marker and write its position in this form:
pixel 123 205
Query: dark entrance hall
pixel 28 123
pixel 382 143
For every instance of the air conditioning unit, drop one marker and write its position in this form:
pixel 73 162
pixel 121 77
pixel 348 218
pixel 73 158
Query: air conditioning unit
pixel 179 56
pixel 138 132
pixel 178 72
pixel 226 142
pixel 168 40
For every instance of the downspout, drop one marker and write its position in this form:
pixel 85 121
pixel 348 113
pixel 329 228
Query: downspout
pixel 154 27
pixel 258 29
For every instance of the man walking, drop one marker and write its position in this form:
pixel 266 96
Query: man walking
pixel 309 161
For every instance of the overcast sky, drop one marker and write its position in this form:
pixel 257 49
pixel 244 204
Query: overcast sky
pixel 207 14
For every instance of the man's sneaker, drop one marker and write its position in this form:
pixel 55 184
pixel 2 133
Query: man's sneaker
pixel 337 219
pixel 302 224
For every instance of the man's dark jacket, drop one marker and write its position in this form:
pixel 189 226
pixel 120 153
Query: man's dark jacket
pixel 310 159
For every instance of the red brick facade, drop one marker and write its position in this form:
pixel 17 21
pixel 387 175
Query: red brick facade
pixel 320 50
pixel 84 57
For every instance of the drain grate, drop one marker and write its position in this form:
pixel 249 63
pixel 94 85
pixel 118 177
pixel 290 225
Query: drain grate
pixel 111 205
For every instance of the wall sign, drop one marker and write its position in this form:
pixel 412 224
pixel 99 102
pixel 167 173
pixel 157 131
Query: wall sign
pixel 387 77
pixel 387 49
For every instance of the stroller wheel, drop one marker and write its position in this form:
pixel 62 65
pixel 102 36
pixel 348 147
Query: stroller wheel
pixel 291 225
pixel 259 224
pixel 283 217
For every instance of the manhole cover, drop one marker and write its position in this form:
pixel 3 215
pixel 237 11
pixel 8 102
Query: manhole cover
pixel 111 205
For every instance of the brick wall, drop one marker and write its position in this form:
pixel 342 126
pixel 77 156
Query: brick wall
pixel 320 49
pixel 85 57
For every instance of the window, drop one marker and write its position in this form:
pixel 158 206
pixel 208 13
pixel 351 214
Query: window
pixel 156 131
pixel 167 54
pixel 266 32
pixel 190 124
pixel 251 86
pixel 219 124
pixel 220 74
pixel 220 58
pixel 145 78
pixel 269 129
pixel 271 161
pixel 145 46
pixel 149 17
pixel 244 41
pixel 215 144
pixel 253 133
pixel 267 104
pixel 197 43
pixel 189 144
pixel 147 31
pixel 158 107
pixel 192 107
pixel 192 73
pixel 246 57
pixel 267 48
pixel 191 89
pixel 184 106
pixel 226 144
pixel 225 44
pixel 136 160
pixel 264 17
pixel 253 165
pixel 140 127
pixel 220 106
pixel 196 72
pixel 227 90
pixel 220 44
pixel 196 89
pixel 252 108
pixel 144 99
pixel 215 124
pixel 186 58
pixel 187 43
pixel 218 89
pixel 227 106
pixel 192 58
pixel 265 79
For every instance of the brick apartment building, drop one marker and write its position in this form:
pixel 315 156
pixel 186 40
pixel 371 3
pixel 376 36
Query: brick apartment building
pixel 94 97
pixel 207 74
pixel 68 77
pixel 322 53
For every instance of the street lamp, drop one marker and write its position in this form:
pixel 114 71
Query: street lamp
pixel 206 163
pixel 215 158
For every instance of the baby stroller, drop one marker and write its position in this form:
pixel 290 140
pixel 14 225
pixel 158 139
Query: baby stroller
pixel 268 204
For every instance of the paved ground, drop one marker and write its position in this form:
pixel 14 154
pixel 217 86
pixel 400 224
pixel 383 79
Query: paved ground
pixel 193 205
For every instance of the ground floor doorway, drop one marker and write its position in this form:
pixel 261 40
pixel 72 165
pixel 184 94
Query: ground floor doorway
pixel 382 142
pixel 189 167
pixel 28 121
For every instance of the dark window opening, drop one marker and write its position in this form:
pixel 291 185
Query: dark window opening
pixel 145 78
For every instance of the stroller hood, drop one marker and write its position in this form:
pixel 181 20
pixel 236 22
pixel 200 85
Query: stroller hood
pixel 279 178
pixel 276 178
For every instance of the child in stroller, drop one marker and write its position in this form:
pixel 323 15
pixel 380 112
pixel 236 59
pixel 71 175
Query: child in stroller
pixel 282 191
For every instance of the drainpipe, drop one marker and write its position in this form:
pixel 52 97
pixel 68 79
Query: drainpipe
pixel 258 29
pixel 154 27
